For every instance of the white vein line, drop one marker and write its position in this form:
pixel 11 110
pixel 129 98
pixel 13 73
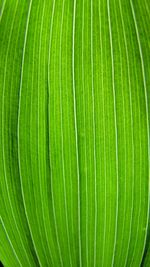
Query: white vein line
pixel 105 155
pixel 84 114
pixel 94 137
pixel 145 94
pixel 2 9
pixel 62 134
pixel 140 182
pixel 144 8
pixel 115 120
pixel 3 225
pixel 147 9
pixel 124 137
pixel 104 130
pixel 103 125
pixel 12 80
pixel 76 132
pixel 132 203
pixel 131 111
pixel 31 123
pixel 142 66
pixel 53 202
pixel 144 82
pixel 6 25
pixel 30 137
pixel 54 112
pixel 49 219
pixel 1 184
pixel 69 141
pixel 3 153
pixel 20 92
pixel 38 113
pixel 123 227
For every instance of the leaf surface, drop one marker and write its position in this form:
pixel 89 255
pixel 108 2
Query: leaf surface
pixel 74 132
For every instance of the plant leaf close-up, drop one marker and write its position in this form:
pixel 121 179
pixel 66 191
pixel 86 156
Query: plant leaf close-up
pixel 74 133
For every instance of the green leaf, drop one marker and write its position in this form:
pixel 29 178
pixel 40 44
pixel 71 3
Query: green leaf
pixel 74 133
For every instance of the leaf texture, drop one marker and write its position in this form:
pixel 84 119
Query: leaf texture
pixel 74 133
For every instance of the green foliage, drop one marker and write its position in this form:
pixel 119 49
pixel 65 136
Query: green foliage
pixel 74 133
